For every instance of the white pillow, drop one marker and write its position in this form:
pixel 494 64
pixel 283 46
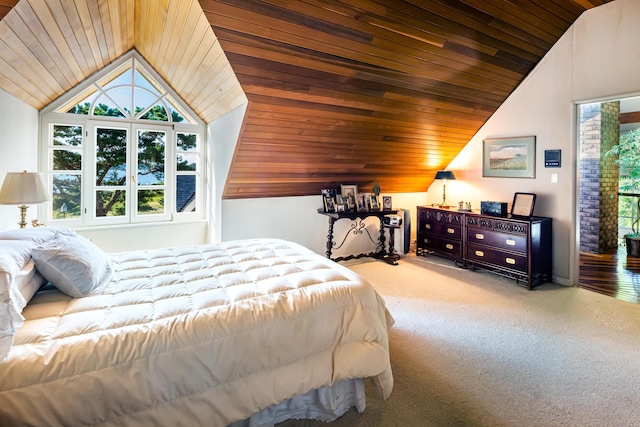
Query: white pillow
pixel 36 235
pixel 14 255
pixel 73 264
pixel 28 281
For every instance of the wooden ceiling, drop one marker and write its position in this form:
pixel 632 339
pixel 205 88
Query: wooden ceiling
pixel 340 91
pixel 49 46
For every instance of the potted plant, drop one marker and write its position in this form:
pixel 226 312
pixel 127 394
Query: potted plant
pixel 628 158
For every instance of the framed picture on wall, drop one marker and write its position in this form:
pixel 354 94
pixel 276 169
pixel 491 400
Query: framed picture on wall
pixel 509 157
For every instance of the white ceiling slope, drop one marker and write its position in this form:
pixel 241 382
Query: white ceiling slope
pixel 49 46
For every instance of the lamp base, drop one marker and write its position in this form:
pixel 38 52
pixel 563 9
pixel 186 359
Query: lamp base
pixel 23 216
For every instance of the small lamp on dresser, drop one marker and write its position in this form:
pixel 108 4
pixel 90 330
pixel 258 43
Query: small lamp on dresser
pixel 444 176
pixel 23 188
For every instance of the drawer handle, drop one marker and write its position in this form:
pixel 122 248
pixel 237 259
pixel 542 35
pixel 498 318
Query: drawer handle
pixel 511 242
pixel 510 261
pixel 427 226
pixel 479 236
pixel 479 253
pixel 449 246
pixel 450 230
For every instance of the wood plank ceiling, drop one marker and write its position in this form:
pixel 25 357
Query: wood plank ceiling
pixel 49 46
pixel 340 91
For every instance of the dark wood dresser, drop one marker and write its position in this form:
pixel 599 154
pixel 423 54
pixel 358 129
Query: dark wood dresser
pixel 519 248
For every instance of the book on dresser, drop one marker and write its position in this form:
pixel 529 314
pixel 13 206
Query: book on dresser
pixel 515 247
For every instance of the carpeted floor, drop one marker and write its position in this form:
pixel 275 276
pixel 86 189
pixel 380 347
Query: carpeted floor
pixel 473 349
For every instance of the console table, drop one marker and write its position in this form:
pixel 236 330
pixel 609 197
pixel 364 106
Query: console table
pixel 519 248
pixel 358 228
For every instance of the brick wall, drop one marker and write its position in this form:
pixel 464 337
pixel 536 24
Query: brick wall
pixel 598 206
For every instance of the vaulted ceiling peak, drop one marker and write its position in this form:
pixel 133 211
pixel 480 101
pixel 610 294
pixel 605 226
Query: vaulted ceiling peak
pixel 48 47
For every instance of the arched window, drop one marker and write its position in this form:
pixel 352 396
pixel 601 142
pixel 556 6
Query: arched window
pixel 120 148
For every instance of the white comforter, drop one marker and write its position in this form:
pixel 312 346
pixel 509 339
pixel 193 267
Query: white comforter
pixel 201 335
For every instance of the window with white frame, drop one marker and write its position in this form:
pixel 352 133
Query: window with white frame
pixel 122 148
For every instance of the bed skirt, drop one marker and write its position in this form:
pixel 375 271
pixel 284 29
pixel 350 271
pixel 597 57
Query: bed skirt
pixel 323 404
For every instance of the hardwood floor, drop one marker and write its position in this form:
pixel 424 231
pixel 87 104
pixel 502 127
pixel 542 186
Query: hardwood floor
pixel 613 274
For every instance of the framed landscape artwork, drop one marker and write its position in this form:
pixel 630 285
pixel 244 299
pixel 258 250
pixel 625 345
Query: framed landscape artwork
pixel 509 157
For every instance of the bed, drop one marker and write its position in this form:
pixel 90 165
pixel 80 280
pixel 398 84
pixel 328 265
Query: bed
pixel 241 333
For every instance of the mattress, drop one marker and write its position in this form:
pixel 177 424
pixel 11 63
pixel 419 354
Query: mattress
pixel 197 335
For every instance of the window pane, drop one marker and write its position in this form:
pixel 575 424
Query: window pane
pixel 187 141
pixel 111 156
pixel 157 112
pixel 106 107
pixel 66 197
pixel 187 162
pixel 110 203
pixel 150 202
pixel 151 152
pixel 69 136
pixel 67 160
pixel 186 193
pixel 81 103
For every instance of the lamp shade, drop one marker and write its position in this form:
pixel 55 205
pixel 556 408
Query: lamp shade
pixel 445 175
pixel 21 188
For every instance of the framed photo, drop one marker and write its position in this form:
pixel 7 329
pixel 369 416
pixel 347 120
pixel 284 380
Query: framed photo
pixel 509 157
pixel 523 204
pixel 329 204
pixel 346 201
pixel 349 190
pixel 340 207
pixel 373 202
pixel 329 192
pixel 361 203
pixel 386 203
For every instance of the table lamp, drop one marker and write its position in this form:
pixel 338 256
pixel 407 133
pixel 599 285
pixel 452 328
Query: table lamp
pixel 444 175
pixel 23 188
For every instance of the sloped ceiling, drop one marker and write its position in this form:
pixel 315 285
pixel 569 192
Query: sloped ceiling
pixel 340 91
pixel 48 47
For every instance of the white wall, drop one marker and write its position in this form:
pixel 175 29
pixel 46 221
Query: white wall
pixel 297 219
pixel 596 58
pixel 222 137
pixel 18 150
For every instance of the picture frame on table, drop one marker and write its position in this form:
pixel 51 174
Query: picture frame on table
pixel 329 204
pixel 386 203
pixel 373 203
pixel 509 157
pixel 340 207
pixel 346 201
pixel 349 190
pixel 329 192
pixel 361 203
pixel 523 204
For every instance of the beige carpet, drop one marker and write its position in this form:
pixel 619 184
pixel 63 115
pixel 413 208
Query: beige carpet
pixel 473 349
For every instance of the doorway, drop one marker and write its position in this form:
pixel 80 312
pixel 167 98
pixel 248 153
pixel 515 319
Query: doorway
pixel 604 213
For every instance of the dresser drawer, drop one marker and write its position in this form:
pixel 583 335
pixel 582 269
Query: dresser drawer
pixel 488 255
pixel 450 231
pixel 511 242
pixel 438 244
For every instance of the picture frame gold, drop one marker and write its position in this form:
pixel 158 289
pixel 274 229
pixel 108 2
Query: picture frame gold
pixel 329 204
pixel 373 203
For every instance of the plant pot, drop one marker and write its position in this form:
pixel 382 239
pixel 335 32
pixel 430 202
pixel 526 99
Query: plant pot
pixel 633 246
